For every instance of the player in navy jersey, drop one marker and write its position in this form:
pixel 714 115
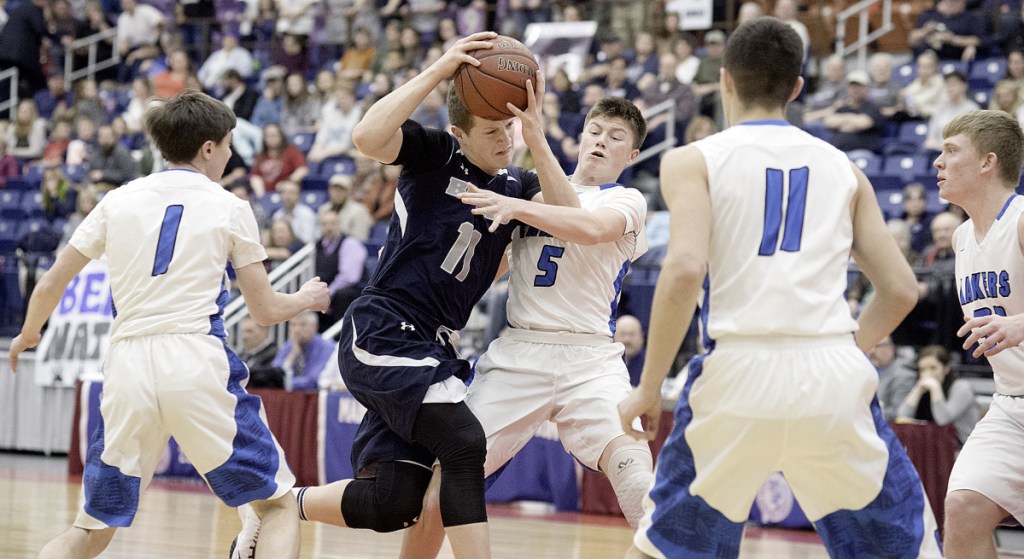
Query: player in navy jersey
pixel 395 352
pixel 978 170
pixel 168 238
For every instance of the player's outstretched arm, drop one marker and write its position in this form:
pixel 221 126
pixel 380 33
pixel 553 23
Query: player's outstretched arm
pixel 554 185
pixel 378 134
pixel 45 297
pixel 876 253
pixel 270 307
pixel 684 185
pixel 575 225
pixel 994 333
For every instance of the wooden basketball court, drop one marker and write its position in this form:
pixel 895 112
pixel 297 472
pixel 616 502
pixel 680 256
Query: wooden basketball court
pixel 186 521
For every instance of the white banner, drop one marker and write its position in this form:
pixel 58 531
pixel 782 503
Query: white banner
pixel 560 46
pixel 76 340
pixel 693 14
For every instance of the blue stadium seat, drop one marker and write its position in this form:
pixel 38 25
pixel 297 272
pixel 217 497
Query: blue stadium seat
pixel 905 166
pixel 891 203
pixel 884 183
pixel 981 97
pixel 271 202
pixel 905 74
pixel 20 184
pixel 314 184
pixel 9 230
pixel 34 173
pixel 990 70
pixel 32 203
pixel 909 139
pixel 947 66
pixel 870 164
pixel 10 205
pixel 303 141
pixel 314 199
pixel 336 166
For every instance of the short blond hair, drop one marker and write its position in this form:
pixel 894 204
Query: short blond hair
pixel 993 132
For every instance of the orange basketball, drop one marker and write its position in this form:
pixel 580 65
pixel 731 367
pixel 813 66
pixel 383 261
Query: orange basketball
pixel 500 78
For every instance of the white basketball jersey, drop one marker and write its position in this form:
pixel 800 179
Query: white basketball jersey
pixel 555 286
pixel 990 280
pixel 781 232
pixel 168 238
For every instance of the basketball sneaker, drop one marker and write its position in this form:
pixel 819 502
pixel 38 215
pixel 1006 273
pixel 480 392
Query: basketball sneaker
pixel 244 544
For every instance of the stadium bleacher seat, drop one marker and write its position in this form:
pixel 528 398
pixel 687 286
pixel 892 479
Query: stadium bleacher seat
pixel 10 205
pixel 9 235
pixel 885 184
pixel 947 66
pixel 20 184
pixel 314 198
pixel 891 203
pixel 303 141
pixel 271 202
pixel 336 166
pixel 314 184
pixel 32 203
pixel 905 74
pixel 870 164
pixel 991 70
pixel 909 139
pixel 981 97
pixel 905 166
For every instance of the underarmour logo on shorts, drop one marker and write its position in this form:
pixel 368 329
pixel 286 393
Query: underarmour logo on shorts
pixel 407 326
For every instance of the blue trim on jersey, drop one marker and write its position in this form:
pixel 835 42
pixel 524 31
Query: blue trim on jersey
pixel 772 212
pixel 705 311
pixel 893 524
pixel 767 122
pixel 614 315
pixel 683 525
pixel 249 473
pixel 217 320
pixel 180 169
pixel 1006 205
pixel 110 496
pixel 609 185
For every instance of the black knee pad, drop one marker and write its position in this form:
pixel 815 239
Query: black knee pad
pixel 389 502
pixel 455 436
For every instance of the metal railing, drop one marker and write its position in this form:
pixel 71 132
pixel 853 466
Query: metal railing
pixel 12 102
pixel 864 37
pixel 92 66
pixel 667 108
pixel 287 277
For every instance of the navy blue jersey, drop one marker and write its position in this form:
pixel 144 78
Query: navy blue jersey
pixel 438 256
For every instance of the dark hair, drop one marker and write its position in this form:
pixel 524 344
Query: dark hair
pixel 181 125
pixel 764 57
pixel 617 107
pixel 941 354
pixel 955 74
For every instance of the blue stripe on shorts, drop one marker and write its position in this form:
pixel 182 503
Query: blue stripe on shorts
pixel 249 473
pixel 110 496
pixel 684 525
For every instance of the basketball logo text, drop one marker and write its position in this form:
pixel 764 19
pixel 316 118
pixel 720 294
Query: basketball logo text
pixel 504 64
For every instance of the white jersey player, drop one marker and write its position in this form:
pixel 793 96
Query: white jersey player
pixel 979 168
pixel 767 216
pixel 168 239
pixel 557 361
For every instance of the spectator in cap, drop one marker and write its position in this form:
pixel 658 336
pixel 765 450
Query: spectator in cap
pixel 856 123
pixel 705 82
pixel 354 218
pixel 955 104
pixel 271 103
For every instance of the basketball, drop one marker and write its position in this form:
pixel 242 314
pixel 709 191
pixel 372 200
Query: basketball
pixel 500 78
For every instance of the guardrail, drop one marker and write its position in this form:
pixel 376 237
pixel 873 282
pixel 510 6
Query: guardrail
pixel 12 102
pixel 864 37
pixel 92 66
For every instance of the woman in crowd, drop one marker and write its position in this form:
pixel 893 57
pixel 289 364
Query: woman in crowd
pixel 59 195
pixel 939 396
pixel 277 161
pixel 281 243
pixel 26 136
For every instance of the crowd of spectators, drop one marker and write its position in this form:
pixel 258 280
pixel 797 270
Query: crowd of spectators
pixel 299 74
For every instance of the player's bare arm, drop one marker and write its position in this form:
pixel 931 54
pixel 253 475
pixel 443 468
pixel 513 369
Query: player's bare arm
pixel 575 225
pixel 876 253
pixel 684 185
pixel 45 297
pixel 379 135
pixel 270 307
pixel 994 333
pixel 554 184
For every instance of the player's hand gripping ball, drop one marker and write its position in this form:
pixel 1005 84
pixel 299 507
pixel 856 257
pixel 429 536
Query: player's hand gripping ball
pixel 500 78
